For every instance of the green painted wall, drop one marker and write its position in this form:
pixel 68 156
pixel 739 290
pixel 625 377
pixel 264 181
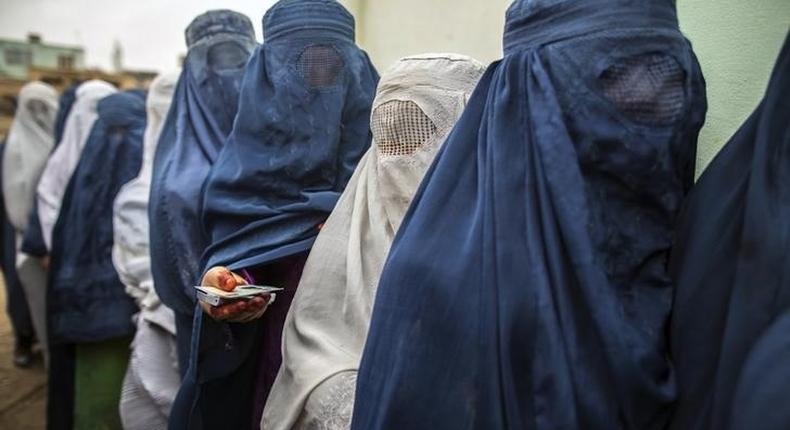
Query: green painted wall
pixel 737 42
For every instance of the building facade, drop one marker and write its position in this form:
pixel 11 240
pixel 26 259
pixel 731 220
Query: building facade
pixel 18 57
pixel 56 65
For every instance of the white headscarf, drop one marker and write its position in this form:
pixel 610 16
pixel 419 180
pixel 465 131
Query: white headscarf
pixel 30 141
pixel 417 103
pixel 152 378
pixel 63 161
pixel 130 254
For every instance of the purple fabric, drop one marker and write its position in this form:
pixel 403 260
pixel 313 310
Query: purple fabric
pixel 284 273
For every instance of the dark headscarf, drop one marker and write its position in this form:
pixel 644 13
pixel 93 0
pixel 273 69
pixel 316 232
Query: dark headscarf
pixel 527 287
pixel 65 103
pixel 730 336
pixel 200 119
pixel 301 129
pixel 33 242
pixel 86 300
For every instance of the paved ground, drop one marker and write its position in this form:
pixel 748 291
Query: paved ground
pixel 23 393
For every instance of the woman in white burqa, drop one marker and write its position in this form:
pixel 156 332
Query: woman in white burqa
pixel 417 103
pixel 30 140
pixel 63 162
pixel 152 379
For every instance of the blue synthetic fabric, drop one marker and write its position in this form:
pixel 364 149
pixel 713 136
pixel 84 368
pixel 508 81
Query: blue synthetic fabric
pixel 86 300
pixel 200 119
pixel 730 333
pixel 527 287
pixel 302 126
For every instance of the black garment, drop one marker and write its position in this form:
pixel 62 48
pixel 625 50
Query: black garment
pixel 16 304
pixel 730 334
pixel 60 395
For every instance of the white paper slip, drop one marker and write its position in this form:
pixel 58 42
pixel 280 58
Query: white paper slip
pixel 215 296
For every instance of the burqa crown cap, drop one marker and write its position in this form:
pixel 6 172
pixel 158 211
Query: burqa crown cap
pixel 122 109
pixel 36 90
pixel 317 18
pixel 531 23
pixel 217 22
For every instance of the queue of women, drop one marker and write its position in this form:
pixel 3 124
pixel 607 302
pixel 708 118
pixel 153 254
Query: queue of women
pixel 518 246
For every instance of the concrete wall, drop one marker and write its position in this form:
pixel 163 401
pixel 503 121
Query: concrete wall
pixel 736 41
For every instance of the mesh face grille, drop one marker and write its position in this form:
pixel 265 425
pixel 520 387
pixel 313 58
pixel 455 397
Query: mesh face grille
pixel 226 55
pixel 40 113
pixel 400 128
pixel 648 88
pixel 319 65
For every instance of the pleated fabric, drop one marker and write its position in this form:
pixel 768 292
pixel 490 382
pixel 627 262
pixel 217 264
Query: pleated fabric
pixel 527 287
pixel 301 128
pixel 731 316
pixel 200 119
pixel 152 377
pixel 86 299
pixel 417 102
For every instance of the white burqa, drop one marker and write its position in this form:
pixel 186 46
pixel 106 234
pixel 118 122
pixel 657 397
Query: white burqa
pixel 152 378
pixel 29 143
pixel 417 103
pixel 63 161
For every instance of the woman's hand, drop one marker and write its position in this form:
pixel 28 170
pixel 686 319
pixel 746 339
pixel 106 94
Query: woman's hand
pixel 239 312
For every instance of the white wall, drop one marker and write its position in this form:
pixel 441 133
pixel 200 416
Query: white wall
pixel 391 29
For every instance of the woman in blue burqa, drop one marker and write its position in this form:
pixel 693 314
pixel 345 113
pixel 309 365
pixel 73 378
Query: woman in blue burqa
pixel 731 319
pixel 302 127
pixel 199 121
pixel 88 305
pixel 527 287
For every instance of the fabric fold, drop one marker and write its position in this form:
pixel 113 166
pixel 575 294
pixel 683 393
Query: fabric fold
pixel 527 286
pixel 418 101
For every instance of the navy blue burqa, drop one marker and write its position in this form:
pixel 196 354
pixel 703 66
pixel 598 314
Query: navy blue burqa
pixel 199 121
pixel 730 333
pixel 302 126
pixel 86 300
pixel 16 301
pixel 527 287
pixel 33 242
pixel 301 129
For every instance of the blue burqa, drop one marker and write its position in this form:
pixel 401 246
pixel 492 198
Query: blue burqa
pixel 730 333
pixel 86 300
pixel 199 121
pixel 302 127
pixel 527 287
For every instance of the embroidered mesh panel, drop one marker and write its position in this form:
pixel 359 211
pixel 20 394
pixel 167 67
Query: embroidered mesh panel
pixel 319 65
pixel 400 128
pixel 648 88
pixel 337 408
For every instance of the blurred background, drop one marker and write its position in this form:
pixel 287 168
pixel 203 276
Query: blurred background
pixel 128 43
